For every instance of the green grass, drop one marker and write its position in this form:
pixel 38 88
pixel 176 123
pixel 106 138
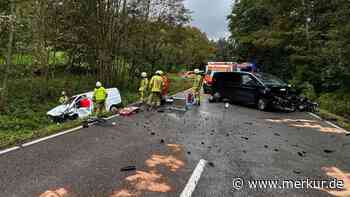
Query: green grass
pixel 27 59
pixel 339 120
pixel 27 119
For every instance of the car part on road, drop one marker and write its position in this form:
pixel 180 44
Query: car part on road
pixel 328 151
pixel 297 171
pixel 128 168
pixel 211 164
pixel 301 154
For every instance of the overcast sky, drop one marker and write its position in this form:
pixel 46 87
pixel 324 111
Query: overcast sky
pixel 210 16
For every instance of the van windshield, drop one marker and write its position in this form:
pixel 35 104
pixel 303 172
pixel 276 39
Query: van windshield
pixel 270 80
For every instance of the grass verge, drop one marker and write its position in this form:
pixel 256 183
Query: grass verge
pixel 338 120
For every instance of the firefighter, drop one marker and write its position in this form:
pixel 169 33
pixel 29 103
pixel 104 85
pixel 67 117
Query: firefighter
pixel 64 98
pixel 155 86
pixel 143 87
pixel 197 86
pixel 99 98
pixel 165 87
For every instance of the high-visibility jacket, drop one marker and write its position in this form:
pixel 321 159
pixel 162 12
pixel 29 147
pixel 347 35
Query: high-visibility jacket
pixel 100 94
pixel 143 84
pixel 197 82
pixel 63 99
pixel 156 84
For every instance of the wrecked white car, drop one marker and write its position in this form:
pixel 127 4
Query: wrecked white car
pixel 72 109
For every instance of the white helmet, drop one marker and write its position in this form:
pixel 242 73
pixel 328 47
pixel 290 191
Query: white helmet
pixel 98 84
pixel 63 93
pixel 161 72
pixel 197 71
pixel 158 72
pixel 144 74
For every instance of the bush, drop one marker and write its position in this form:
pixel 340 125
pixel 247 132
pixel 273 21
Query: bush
pixel 337 103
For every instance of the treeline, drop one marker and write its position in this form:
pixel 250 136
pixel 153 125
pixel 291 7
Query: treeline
pixel 303 41
pixel 110 40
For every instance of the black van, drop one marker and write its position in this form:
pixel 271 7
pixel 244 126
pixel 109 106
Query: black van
pixel 259 89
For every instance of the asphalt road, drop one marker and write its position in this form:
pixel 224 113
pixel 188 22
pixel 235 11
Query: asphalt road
pixel 238 142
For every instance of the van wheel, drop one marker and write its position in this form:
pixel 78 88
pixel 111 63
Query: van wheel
pixel 114 109
pixel 262 104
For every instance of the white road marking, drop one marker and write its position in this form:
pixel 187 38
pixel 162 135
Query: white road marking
pixel 193 181
pixel 329 123
pixel 51 136
pixel 314 115
pixel 9 150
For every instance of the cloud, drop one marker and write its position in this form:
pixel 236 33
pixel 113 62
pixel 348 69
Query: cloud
pixel 210 16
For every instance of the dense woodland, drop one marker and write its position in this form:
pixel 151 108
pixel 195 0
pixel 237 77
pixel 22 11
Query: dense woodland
pixel 303 41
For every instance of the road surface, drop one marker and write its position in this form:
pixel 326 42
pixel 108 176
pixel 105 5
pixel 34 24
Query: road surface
pixel 210 143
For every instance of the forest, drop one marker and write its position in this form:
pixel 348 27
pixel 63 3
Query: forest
pixel 305 42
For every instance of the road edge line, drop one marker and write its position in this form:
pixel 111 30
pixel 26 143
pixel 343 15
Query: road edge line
pixel 2 152
pixel 328 122
pixel 193 181
pixel 51 136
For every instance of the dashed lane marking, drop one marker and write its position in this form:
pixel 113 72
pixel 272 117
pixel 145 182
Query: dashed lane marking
pixel 193 181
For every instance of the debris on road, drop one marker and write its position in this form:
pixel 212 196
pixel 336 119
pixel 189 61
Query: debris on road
pixel 127 111
pixel 301 154
pixel 277 134
pixel 162 141
pixel 329 151
pixel 153 133
pixel 245 138
pixel 211 164
pixel 128 168
pixel 297 171
pixel 266 146
pixel 276 150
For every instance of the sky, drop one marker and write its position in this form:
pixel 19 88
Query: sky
pixel 210 16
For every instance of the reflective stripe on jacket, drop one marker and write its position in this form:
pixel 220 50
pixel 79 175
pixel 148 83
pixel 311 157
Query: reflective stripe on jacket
pixel 156 84
pixel 143 84
pixel 197 83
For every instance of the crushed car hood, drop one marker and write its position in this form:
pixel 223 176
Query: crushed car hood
pixel 58 111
